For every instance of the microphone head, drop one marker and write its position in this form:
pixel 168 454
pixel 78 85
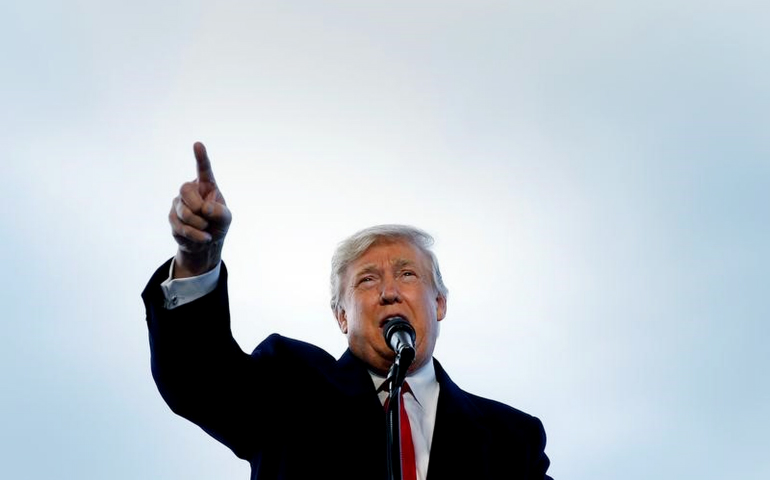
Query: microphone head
pixel 399 335
pixel 394 325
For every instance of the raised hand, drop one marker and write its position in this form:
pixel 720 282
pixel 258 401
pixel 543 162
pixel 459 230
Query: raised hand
pixel 199 220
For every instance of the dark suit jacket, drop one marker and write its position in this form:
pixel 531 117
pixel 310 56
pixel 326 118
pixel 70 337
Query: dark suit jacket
pixel 294 412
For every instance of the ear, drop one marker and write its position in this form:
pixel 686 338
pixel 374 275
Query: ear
pixel 440 307
pixel 342 319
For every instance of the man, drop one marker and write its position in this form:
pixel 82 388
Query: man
pixel 292 410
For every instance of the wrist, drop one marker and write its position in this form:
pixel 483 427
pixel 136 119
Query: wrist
pixel 191 264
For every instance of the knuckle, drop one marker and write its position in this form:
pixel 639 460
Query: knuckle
pixel 175 204
pixel 173 218
pixel 184 213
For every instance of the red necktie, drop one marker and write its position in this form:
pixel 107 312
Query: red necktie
pixel 408 466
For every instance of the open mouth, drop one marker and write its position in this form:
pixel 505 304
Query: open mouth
pixel 391 317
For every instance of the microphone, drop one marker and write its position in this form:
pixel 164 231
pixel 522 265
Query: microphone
pixel 399 335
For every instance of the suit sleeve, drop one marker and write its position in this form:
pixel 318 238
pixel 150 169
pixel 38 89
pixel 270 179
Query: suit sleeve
pixel 199 369
pixel 540 459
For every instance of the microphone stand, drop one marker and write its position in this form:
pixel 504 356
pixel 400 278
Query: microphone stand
pixel 396 377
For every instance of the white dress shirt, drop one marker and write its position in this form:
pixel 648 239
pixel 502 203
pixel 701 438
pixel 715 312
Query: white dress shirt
pixel 421 404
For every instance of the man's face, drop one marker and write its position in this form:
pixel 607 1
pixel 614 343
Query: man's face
pixel 389 279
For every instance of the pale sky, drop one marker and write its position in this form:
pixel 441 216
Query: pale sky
pixel 596 175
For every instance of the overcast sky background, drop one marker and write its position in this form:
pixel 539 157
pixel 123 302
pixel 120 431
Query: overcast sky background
pixel 596 175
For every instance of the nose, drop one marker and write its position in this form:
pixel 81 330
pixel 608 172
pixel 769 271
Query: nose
pixel 389 293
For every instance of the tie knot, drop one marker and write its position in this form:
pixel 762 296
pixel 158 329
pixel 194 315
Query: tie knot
pixel 404 389
pixel 385 387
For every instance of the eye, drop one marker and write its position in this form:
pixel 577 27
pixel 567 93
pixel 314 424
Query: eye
pixel 365 280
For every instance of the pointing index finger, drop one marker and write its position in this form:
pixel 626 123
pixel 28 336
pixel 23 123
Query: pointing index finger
pixel 205 173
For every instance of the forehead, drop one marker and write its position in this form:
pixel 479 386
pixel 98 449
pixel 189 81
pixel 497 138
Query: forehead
pixel 391 252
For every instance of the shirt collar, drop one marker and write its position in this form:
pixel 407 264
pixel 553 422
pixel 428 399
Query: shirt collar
pixel 421 382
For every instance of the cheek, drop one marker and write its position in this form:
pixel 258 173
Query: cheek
pixel 356 326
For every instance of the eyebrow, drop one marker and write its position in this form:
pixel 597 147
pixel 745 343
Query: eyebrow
pixel 402 262
pixel 373 268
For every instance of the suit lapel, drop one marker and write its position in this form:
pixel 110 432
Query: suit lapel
pixel 362 418
pixel 352 379
pixel 460 441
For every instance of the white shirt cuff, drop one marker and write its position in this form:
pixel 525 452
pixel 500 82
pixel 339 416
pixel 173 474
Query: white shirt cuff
pixel 179 291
